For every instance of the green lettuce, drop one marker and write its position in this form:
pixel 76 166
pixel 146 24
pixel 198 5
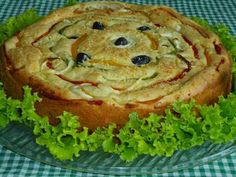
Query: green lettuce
pixel 184 126
pixel 71 2
pixel 15 24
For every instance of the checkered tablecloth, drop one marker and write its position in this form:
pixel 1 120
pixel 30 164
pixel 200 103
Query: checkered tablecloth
pixel 215 11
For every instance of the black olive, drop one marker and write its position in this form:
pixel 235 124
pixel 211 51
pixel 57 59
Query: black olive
pixel 81 57
pixel 121 41
pixel 143 28
pixel 98 26
pixel 141 60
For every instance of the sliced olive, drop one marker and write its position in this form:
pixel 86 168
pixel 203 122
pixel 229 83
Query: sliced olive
pixel 98 26
pixel 81 58
pixel 143 28
pixel 141 60
pixel 121 41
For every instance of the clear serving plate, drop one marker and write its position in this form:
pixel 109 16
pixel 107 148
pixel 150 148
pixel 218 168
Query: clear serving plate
pixel 20 139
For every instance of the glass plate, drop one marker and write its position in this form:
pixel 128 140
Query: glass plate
pixel 20 139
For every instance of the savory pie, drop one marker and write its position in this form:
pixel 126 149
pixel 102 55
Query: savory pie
pixel 103 60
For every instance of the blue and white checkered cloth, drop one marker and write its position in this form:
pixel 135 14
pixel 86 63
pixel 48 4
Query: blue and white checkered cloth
pixel 215 11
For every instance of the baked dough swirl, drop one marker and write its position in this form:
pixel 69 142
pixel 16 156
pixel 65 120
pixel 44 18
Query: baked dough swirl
pixel 103 60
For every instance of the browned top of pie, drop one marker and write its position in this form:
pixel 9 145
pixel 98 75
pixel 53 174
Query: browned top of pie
pixel 118 53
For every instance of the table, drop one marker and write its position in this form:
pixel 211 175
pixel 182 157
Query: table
pixel 215 11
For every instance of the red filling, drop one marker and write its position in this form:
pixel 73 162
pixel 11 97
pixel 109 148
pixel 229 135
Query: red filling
pixel 44 34
pixel 49 65
pixel 40 37
pixel 195 52
pixel 187 40
pixel 96 102
pixel 181 74
pixel 218 48
pixel 194 48
pixel 76 82
pixel 222 61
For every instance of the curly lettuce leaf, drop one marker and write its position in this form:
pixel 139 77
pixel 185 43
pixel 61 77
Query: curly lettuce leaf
pixel 184 126
pixel 15 24
pixel 62 139
pixel 4 120
pixel 71 2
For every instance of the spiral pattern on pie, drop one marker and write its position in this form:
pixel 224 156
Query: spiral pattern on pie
pixel 104 60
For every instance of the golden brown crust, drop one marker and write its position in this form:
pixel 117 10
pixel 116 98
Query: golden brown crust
pixel 91 114
pixel 206 73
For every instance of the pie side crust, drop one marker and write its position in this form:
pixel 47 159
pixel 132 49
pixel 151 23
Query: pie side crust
pixel 200 67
